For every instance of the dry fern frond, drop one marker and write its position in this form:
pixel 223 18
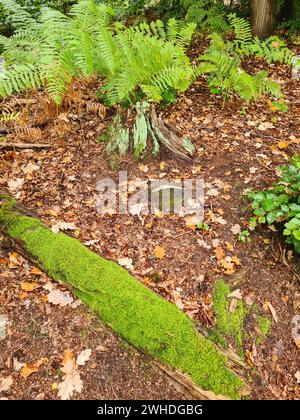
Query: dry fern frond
pixel 96 107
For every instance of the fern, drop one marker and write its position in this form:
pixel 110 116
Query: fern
pixel 242 30
pixel 272 49
pixel 206 13
pixel 224 71
pixel 147 58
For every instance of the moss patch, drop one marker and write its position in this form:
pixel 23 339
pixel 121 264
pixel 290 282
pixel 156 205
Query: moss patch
pixel 229 324
pixel 139 315
pixel 264 325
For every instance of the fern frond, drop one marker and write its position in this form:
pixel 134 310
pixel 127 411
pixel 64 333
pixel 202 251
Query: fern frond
pixel 242 29
pixel 19 77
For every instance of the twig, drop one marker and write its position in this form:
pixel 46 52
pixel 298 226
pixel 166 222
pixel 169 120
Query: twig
pixel 25 145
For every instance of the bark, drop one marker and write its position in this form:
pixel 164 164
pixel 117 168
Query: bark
pixel 140 316
pixel 263 17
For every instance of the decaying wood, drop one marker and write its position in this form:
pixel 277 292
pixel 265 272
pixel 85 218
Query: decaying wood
pixel 187 386
pixel 174 142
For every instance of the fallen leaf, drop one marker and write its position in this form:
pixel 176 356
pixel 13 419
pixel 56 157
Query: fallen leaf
pixel 272 310
pixel 62 226
pixel 30 168
pixel 144 168
pixel 227 266
pixel 36 271
pixel 71 379
pixel 265 126
pixel 219 253
pixel 251 354
pixel 236 229
pixel 14 185
pixel 13 259
pixel 126 262
pixel 192 222
pixel 3 326
pixel 297 342
pixel 213 192
pixel 236 294
pixel 232 305
pixel 83 357
pixel 6 383
pixel 57 297
pixel 28 287
pixel 29 369
pixel 297 376
pixel 235 260
pixel 17 365
pixel 159 252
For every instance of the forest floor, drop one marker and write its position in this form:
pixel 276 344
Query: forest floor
pixel 237 149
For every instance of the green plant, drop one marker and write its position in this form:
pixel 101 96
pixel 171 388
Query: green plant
pixel 278 106
pixel 223 66
pixel 206 13
pixel 33 7
pixel 244 236
pixel 273 49
pixel 203 226
pixel 54 49
pixel 281 204
pixel 147 126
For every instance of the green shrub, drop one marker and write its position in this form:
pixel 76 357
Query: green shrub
pixel 281 204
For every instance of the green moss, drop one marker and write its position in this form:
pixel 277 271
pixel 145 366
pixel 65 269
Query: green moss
pixel 139 315
pixel 264 325
pixel 229 324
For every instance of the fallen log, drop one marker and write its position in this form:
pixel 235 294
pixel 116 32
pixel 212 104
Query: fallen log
pixel 140 316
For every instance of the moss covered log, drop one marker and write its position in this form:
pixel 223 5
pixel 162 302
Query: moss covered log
pixel 139 315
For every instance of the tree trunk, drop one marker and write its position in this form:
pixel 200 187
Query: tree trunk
pixel 263 17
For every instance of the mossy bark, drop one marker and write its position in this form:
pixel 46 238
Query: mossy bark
pixel 139 315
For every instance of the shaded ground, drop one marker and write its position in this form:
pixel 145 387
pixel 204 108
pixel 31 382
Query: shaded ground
pixel 237 149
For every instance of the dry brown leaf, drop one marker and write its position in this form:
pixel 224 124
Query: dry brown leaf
pixel 126 262
pixel 14 260
pixel 28 287
pixel 71 380
pixel 297 342
pixel 219 253
pixel 227 266
pixel 236 294
pixel 297 376
pixel 36 271
pixel 159 252
pixel 83 357
pixel 251 354
pixel 232 305
pixel 235 260
pixel 57 297
pixel 272 310
pixel 62 226
pixel 236 229
pixel 191 222
pixel 28 369
pixel 6 383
